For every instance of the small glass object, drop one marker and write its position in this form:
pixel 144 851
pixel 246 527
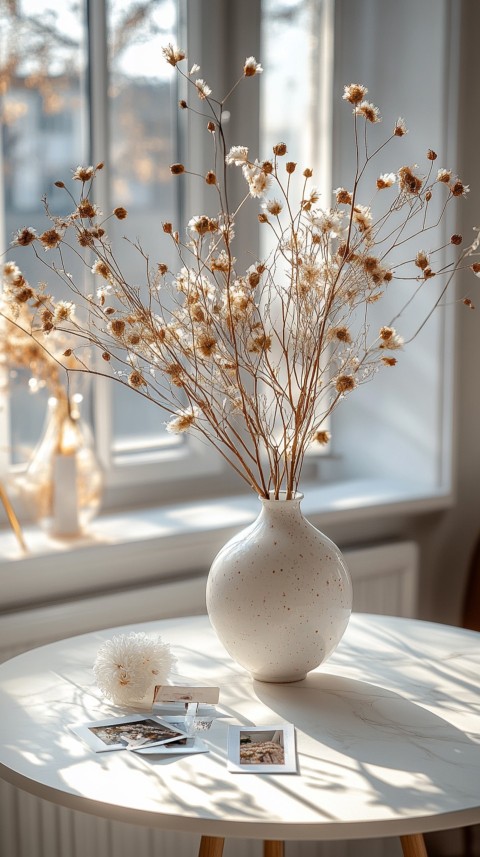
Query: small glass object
pixel 63 482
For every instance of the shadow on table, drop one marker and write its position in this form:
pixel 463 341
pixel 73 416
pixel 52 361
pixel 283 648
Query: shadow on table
pixel 354 735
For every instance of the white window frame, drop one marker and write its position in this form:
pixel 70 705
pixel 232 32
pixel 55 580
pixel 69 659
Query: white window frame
pixel 179 535
pixel 224 33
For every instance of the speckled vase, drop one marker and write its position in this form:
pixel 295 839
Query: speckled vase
pixel 279 594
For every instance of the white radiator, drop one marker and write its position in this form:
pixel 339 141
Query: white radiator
pixel 384 581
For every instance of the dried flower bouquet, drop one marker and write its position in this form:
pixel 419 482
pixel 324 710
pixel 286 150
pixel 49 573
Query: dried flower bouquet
pixel 255 361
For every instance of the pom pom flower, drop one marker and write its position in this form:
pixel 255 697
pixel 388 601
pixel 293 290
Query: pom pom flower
pixel 127 666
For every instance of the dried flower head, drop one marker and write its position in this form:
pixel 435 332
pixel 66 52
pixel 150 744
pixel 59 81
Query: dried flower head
pixel 354 93
pixel 237 155
pixel 251 67
pixel 408 181
pixel 24 237
pixel 459 189
pixel 400 129
pixel 386 180
pixel 343 196
pixel 183 420
pixel 87 210
pixel 50 239
pixel 83 174
pixel 203 90
pixel 345 383
pixel 322 436
pixel 444 176
pixel 368 110
pixel 136 380
pixel 173 55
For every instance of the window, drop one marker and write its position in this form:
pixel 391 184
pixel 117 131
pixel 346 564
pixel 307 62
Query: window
pixel 90 85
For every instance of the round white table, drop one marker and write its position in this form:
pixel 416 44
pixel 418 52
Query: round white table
pixel 388 738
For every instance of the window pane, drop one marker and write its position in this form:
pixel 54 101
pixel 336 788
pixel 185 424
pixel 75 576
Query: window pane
pixel 291 93
pixel 42 64
pixel 143 143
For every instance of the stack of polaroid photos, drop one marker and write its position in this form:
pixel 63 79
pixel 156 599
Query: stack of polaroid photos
pixel 172 735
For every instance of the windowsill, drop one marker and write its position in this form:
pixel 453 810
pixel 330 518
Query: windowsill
pixel 143 546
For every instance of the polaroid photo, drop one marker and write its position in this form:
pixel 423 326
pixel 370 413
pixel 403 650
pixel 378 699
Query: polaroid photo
pixel 130 732
pixel 174 748
pixel 262 749
pixel 185 694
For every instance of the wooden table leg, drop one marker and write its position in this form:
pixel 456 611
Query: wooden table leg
pixel 273 848
pixel 413 845
pixel 211 846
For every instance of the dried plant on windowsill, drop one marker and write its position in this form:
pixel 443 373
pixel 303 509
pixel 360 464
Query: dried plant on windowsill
pixel 24 344
pixel 255 361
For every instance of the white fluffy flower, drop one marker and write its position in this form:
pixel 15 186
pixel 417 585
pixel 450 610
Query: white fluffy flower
pixel 128 666
pixel 258 180
pixel 183 420
pixel 64 311
pixel 386 180
pixel 237 155
pixel 203 90
pixel 252 67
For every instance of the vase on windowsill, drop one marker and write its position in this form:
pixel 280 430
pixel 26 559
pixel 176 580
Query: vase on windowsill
pixel 279 594
pixel 62 485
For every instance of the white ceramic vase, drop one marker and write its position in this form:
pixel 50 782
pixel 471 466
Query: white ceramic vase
pixel 279 594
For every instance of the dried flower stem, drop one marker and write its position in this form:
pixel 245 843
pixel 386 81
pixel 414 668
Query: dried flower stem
pixel 255 362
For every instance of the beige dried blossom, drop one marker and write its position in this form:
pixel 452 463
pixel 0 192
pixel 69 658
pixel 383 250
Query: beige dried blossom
pixel 342 334
pixel 183 420
pixel 422 259
pixel 24 237
pixel 173 55
pixel 255 360
pixel 343 196
pixel 203 90
pixel 408 181
pixel 83 174
pixel 50 239
pixel 344 384
pixel 64 311
pixel 354 93
pixel 369 111
pixel 322 436
pixel 100 267
pixel 444 175
pixel 206 344
pixel 136 380
pixel 273 206
pixel 25 344
pixel 400 128
pixel 386 180
pixel 459 189
pixel 252 67
pixel 86 209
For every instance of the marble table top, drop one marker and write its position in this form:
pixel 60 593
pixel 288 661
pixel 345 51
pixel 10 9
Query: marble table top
pixel 387 732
